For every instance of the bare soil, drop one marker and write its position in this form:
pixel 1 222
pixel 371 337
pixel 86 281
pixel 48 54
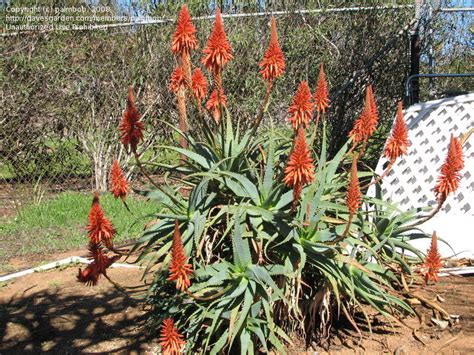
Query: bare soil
pixel 51 312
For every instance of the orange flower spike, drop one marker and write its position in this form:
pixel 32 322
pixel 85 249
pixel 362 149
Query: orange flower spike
pixel 272 65
pixel 184 38
pixel 321 96
pixel 99 229
pixel 171 340
pixel 179 269
pixel 131 128
pixel 366 124
pixel 300 168
pixel 118 183
pixel 449 179
pixel 178 80
pixel 353 199
pixel 398 143
pixel 100 262
pixel 301 108
pixel 199 85
pixel 373 105
pixel 432 263
pixel 218 50
pixel 215 103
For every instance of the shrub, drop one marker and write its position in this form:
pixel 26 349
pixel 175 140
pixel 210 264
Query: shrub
pixel 259 234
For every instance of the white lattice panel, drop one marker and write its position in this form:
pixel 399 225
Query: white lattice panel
pixel 412 180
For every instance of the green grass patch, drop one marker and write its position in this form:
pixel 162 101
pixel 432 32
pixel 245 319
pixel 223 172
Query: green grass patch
pixel 5 172
pixel 58 224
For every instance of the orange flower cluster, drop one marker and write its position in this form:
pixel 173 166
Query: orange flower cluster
pixel 100 262
pixel 131 128
pixel 448 181
pixel 199 85
pixel 353 198
pixel 366 124
pixel 218 50
pixel 321 96
pixel 432 263
pixel 184 39
pixel 299 170
pixel 171 340
pixel 118 183
pixel 178 80
pixel 301 109
pixel 99 229
pixel 398 143
pixel 215 102
pixel 272 65
pixel 179 269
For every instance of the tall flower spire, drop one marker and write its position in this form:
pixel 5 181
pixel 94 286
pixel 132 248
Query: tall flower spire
pixel 179 269
pixel 448 181
pixel 184 38
pixel 301 108
pixel 99 229
pixel 398 143
pixel 199 85
pixel 218 50
pixel 118 183
pixel 171 340
pixel 299 170
pixel 432 263
pixel 366 124
pixel 321 96
pixel 272 65
pixel 353 198
pixel 131 128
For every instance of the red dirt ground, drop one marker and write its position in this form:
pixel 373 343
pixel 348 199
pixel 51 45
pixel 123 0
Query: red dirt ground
pixel 51 312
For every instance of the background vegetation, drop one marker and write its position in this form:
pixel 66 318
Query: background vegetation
pixel 64 92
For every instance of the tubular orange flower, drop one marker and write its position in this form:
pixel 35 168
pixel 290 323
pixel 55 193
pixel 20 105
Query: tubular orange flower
pixel 272 65
pixel 373 104
pixel 300 169
pixel 178 80
pixel 215 102
pixel 432 263
pixel 353 198
pixel 366 124
pixel 100 262
pixel 321 96
pixel 450 176
pixel 99 227
pixel 179 269
pixel 171 340
pixel 301 109
pixel 131 128
pixel 184 39
pixel 118 183
pixel 398 143
pixel 199 84
pixel 218 50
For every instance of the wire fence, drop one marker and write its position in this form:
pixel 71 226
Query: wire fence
pixel 63 92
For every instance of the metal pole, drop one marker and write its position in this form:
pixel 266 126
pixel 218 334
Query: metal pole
pixel 431 88
pixel 415 50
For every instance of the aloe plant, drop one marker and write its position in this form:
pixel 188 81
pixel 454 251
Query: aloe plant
pixel 264 235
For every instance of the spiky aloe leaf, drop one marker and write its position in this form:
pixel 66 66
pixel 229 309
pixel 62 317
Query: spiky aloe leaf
pixel 241 250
